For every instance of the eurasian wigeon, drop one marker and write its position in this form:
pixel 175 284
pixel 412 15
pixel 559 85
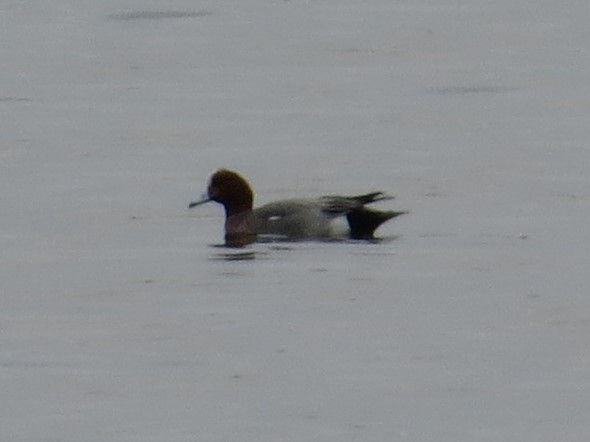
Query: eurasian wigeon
pixel 292 219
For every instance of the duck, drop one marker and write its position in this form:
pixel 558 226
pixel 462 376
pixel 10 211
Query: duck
pixel 296 219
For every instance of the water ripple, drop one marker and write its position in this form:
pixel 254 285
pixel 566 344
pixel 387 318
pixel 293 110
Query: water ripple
pixel 156 15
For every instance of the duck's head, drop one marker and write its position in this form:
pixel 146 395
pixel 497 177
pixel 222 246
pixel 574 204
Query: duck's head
pixel 230 189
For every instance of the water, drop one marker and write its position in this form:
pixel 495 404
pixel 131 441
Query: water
pixel 121 322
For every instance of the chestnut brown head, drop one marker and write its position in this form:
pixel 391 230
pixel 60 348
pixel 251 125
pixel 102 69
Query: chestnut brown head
pixel 230 189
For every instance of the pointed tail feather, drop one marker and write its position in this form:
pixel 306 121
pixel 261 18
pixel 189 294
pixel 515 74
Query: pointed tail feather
pixel 342 204
pixel 372 197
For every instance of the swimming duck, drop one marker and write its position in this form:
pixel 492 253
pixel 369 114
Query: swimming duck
pixel 291 219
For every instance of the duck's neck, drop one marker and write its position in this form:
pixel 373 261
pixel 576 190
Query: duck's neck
pixel 240 229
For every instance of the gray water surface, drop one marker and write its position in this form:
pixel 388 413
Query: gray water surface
pixel 121 322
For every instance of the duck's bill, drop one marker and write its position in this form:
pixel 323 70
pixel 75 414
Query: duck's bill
pixel 204 199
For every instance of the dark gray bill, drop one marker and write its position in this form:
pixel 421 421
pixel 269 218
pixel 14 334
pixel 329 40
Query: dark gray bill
pixel 204 199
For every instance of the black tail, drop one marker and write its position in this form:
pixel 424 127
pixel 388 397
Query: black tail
pixel 363 222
